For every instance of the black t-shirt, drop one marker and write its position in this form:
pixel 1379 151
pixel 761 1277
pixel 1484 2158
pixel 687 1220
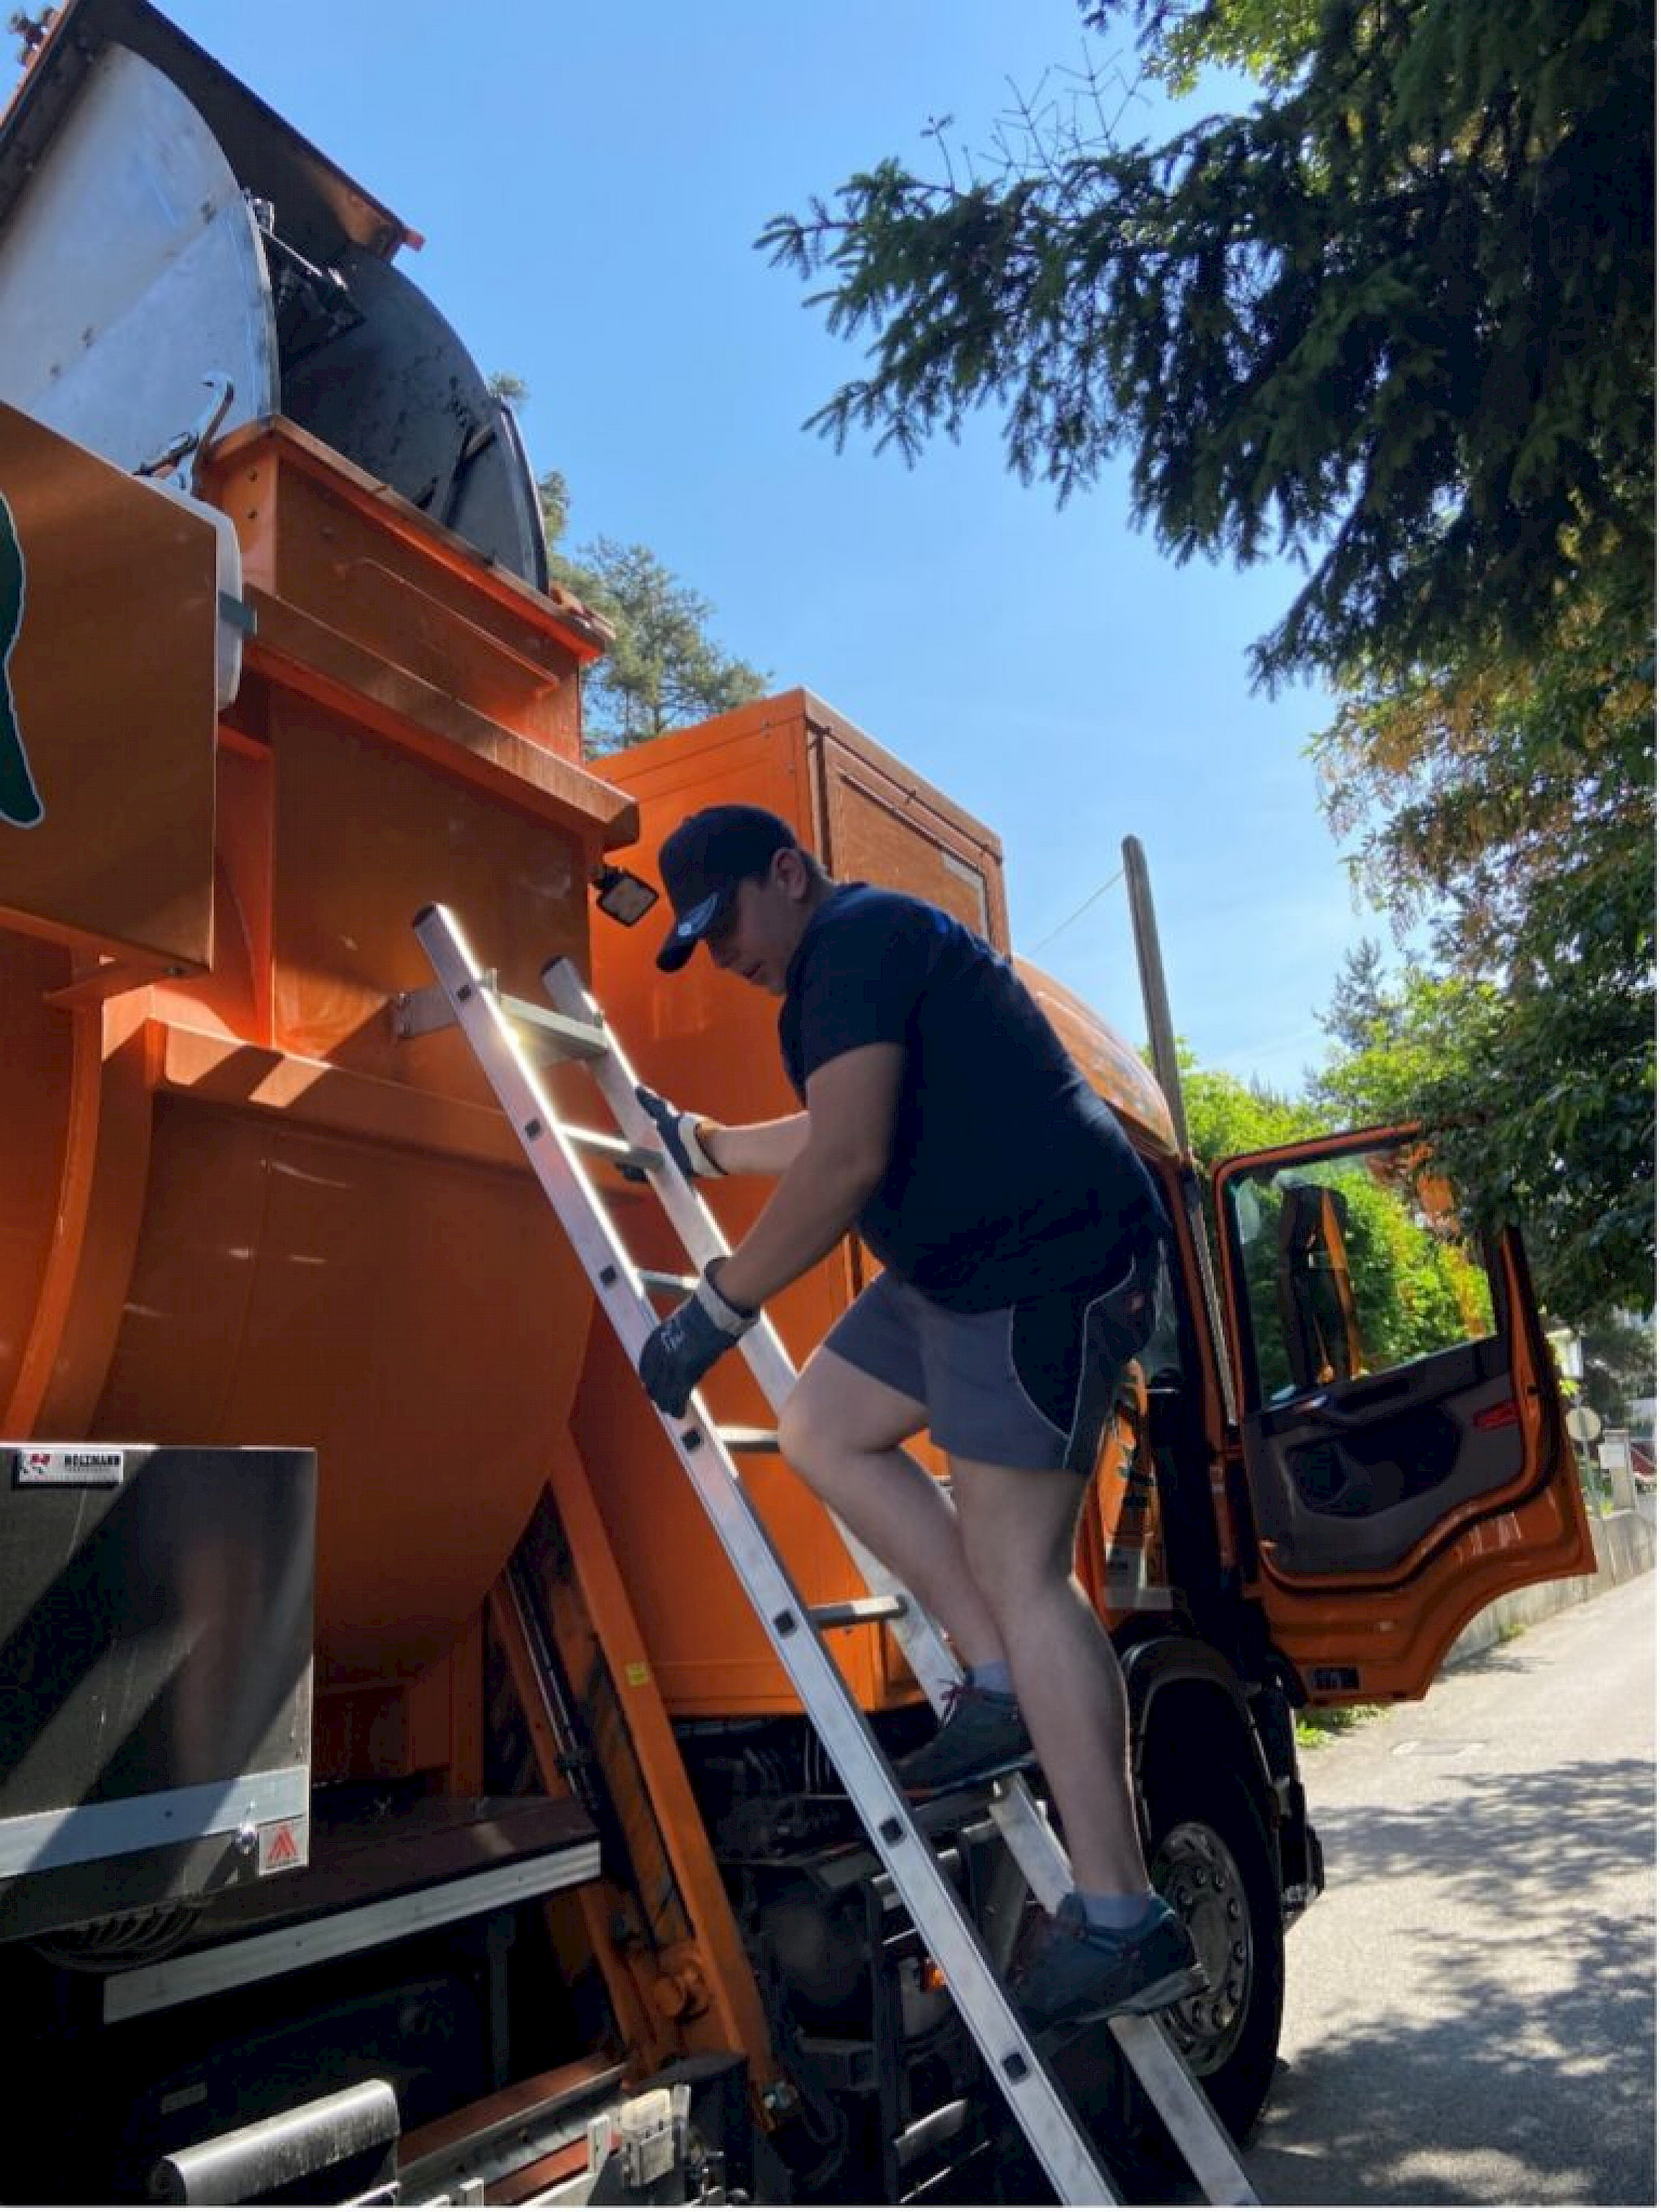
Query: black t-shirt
pixel 1008 1175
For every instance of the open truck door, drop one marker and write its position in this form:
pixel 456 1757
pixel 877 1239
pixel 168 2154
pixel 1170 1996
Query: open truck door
pixel 1403 1440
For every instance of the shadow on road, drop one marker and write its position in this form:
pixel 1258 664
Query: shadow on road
pixel 1496 1659
pixel 1535 2082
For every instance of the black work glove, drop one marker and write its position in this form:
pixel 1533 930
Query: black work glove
pixel 679 1133
pixel 683 1348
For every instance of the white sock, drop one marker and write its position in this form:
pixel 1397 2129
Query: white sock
pixel 992 1675
pixel 1110 1909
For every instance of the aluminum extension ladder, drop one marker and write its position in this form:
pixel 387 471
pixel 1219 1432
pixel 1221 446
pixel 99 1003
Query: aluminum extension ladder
pixel 509 1037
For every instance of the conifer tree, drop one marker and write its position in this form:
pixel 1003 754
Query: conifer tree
pixel 664 668
pixel 1397 319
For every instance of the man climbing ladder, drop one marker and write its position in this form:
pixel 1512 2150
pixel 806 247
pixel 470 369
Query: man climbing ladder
pixel 1021 1237
pixel 505 1034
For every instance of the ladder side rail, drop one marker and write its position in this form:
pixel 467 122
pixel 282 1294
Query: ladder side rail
pixel 1206 2147
pixel 1027 1833
pixel 923 1888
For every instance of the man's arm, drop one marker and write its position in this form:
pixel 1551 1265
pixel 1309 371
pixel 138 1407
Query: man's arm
pixel 699 1146
pixel 762 1148
pixel 851 1104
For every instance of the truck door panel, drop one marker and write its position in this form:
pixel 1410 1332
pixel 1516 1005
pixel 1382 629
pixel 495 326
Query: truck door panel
pixel 1351 1476
pixel 1401 1433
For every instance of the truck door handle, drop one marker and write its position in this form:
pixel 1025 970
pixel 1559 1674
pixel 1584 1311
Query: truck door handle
pixel 1323 1411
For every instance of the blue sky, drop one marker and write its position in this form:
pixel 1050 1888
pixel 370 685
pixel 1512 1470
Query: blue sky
pixel 590 182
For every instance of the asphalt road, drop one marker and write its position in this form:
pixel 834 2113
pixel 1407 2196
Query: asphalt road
pixel 1470 2007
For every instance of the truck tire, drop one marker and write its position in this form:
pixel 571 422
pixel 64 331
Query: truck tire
pixel 1211 1856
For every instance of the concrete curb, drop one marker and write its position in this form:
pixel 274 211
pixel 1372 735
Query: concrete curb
pixel 1625 1544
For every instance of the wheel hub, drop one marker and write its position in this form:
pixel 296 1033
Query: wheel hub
pixel 1195 1870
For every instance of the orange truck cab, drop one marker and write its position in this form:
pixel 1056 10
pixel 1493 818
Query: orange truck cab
pixel 399 1793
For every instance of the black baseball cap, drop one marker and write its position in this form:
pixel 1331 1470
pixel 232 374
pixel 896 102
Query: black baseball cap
pixel 703 862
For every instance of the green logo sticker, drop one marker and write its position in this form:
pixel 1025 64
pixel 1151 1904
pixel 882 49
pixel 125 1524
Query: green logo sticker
pixel 20 802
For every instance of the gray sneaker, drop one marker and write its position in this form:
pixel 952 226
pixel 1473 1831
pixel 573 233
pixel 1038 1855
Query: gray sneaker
pixel 1075 1973
pixel 982 1735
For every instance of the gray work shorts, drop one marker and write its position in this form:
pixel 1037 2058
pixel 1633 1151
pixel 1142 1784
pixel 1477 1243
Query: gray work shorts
pixel 1029 1385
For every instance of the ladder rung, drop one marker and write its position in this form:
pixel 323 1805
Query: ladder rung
pixel 750 1440
pixel 552 1035
pixel 618 1149
pixel 682 1285
pixel 854 1612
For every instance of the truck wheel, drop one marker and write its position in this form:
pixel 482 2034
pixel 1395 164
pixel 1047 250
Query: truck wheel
pixel 1211 1858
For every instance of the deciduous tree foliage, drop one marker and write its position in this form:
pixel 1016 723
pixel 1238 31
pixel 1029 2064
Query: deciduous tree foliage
pixel 1227 1116
pixel 1398 319
pixel 1543 1099
pixel 1619 1364
pixel 1269 40
pixel 1515 806
pixel 1514 802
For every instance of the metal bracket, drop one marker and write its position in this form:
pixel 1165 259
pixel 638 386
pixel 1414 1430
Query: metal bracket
pixel 170 464
pixel 417 1013
pixel 646 2137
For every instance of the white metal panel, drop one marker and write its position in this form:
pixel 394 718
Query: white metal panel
pixel 31 1843
pixel 130 269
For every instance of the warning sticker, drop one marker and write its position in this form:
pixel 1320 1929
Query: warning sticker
pixel 283 1845
pixel 69 1466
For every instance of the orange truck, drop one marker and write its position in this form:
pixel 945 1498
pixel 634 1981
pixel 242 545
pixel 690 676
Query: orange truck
pixel 398 1800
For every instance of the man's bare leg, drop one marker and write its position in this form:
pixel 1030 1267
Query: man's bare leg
pixel 841 1431
pixel 1018 1534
